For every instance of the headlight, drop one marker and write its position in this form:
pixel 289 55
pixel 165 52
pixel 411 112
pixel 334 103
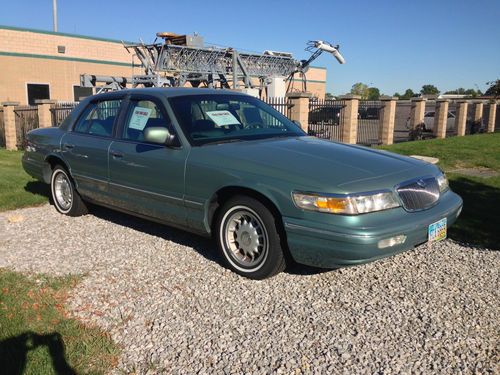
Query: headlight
pixel 346 204
pixel 442 182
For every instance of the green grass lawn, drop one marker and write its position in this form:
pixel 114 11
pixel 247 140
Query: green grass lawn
pixel 479 221
pixel 36 336
pixel 17 189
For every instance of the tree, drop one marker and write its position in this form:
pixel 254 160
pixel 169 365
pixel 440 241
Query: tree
pixel 397 95
pixel 473 93
pixel 429 90
pixel 373 93
pixel 329 96
pixel 494 89
pixel 360 89
pixel 461 91
pixel 408 94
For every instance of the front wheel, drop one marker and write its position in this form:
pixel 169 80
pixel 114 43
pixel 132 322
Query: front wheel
pixel 66 199
pixel 248 238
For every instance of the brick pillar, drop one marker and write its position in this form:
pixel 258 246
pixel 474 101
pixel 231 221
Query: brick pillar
pixel 387 117
pixel 492 116
pixel 350 118
pixel 9 121
pixel 300 108
pixel 441 118
pixel 44 115
pixel 478 117
pixel 461 117
pixel 417 112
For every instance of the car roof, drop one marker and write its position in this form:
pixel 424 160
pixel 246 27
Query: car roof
pixel 168 92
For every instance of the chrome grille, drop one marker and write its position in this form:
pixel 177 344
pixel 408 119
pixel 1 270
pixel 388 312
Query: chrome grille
pixel 419 194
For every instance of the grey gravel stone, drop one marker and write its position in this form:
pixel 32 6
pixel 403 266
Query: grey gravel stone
pixel 173 309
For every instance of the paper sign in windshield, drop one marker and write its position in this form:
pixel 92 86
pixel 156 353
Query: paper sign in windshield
pixel 139 118
pixel 222 118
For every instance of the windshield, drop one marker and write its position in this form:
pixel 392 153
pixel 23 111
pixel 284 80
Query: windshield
pixel 229 118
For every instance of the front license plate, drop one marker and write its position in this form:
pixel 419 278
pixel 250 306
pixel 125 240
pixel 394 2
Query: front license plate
pixel 437 231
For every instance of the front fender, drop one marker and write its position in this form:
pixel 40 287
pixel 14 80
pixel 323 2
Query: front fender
pixel 199 197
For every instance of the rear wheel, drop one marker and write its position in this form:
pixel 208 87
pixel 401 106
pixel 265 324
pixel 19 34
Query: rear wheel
pixel 248 238
pixel 66 199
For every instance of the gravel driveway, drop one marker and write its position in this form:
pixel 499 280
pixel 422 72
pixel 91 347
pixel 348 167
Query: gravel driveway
pixel 170 305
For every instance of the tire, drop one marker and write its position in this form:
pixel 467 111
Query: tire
pixel 248 238
pixel 66 199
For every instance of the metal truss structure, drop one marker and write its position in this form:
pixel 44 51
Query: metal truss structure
pixel 171 64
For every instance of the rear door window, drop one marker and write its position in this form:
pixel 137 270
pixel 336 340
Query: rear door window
pixel 98 118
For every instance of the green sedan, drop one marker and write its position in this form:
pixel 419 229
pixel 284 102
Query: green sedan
pixel 224 164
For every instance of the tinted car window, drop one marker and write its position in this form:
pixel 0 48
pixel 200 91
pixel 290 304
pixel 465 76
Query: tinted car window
pixel 143 114
pixel 98 118
pixel 221 118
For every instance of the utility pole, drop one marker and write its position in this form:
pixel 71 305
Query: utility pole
pixel 54 14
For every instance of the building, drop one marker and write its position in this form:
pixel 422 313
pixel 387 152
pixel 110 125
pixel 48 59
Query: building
pixel 38 64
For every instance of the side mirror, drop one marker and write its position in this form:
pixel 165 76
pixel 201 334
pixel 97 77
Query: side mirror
pixel 159 135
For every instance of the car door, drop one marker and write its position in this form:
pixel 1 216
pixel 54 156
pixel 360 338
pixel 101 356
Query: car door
pixel 85 147
pixel 147 178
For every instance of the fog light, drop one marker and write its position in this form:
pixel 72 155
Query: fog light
pixel 388 242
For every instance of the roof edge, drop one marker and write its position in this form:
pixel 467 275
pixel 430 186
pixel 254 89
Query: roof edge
pixel 38 31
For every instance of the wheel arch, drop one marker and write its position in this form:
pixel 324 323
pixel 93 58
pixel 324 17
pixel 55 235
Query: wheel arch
pixel 50 162
pixel 227 192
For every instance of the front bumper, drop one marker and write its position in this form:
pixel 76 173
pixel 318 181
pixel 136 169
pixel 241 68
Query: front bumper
pixel 330 246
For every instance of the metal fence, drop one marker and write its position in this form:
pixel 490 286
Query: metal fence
pixel 369 122
pixel 60 111
pixel 280 103
pixel 326 118
pixel 2 129
pixel 26 118
pixel 472 126
pixel 402 121
pixel 497 119
pixel 451 119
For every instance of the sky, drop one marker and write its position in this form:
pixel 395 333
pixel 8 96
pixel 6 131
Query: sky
pixel 392 45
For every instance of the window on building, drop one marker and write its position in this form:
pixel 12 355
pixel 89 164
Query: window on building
pixel 80 92
pixel 37 91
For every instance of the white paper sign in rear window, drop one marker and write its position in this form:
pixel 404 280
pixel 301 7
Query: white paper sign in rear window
pixel 139 118
pixel 223 118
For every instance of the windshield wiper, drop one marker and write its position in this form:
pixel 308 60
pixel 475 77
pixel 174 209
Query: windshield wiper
pixel 222 141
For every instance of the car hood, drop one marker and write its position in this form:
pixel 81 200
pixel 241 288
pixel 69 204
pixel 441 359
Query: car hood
pixel 312 163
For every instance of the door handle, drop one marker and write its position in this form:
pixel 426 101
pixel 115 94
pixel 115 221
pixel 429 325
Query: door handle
pixel 68 146
pixel 116 154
